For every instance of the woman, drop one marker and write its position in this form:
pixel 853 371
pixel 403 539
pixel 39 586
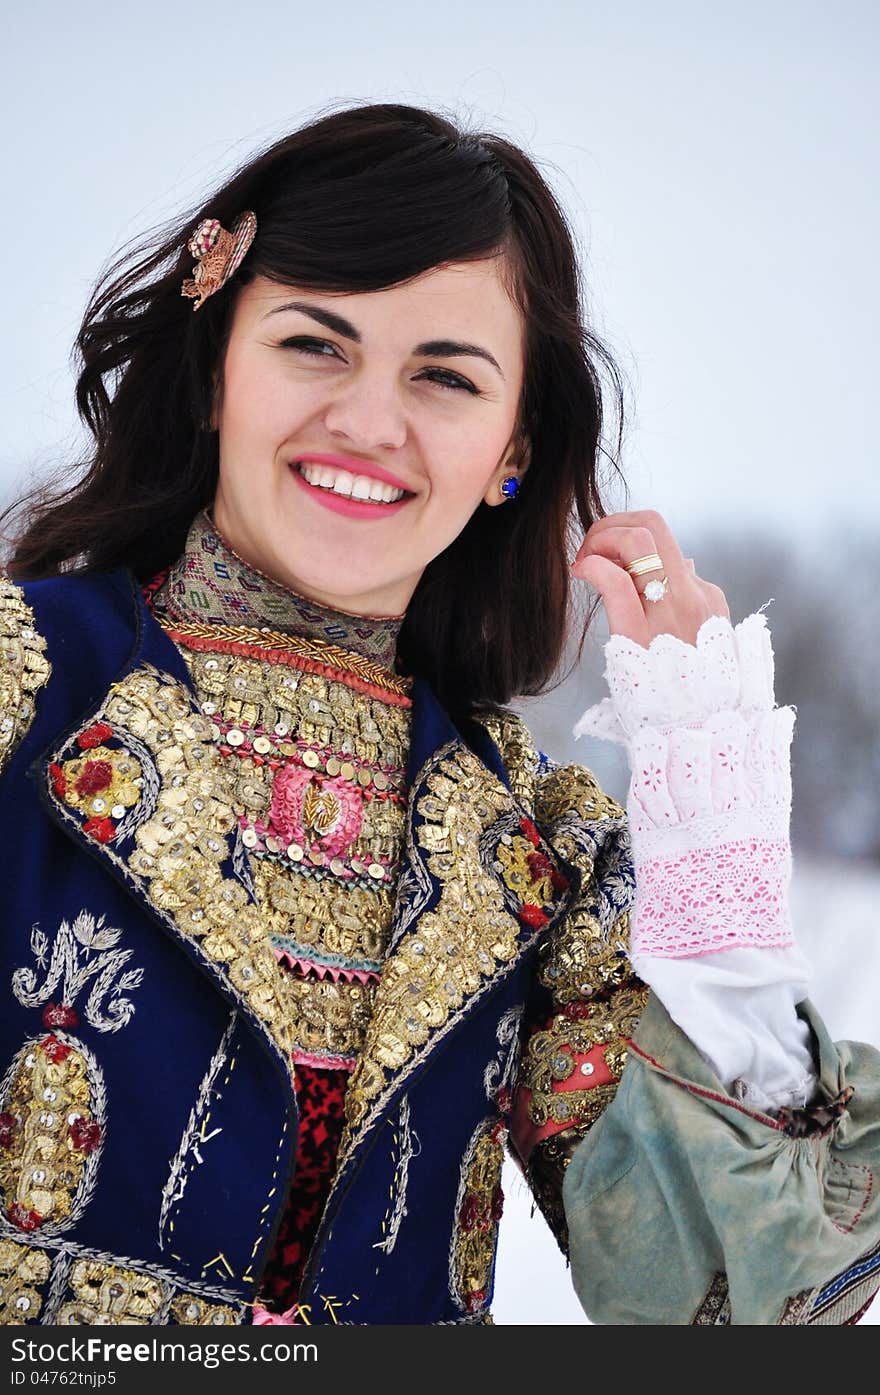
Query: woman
pixel 300 925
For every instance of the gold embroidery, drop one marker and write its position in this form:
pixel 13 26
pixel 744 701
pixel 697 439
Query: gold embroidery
pixel 105 1294
pixel 317 918
pixel 518 752
pixel 582 960
pixel 330 1019
pixel 455 947
pixel 316 650
pixel 550 1057
pixel 52 1134
pixel 101 783
pixel 479 1206
pixel 192 1311
pixel 23 1274
pixel 24 668
pixel 180 848
pixel 518 875
pixel 285 705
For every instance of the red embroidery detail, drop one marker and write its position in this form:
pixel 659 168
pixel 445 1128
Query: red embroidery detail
pixel 472 1215
pixel 475 1298
pixel 539 865
pixel 534 916
pixel 96 775
pixel 59 780
pixel 94 736
pixel 469 1212
pixel 503 1099
pixel 559 879
pixel 23 1218
pixel 85 1135
pixel 55 1050
pixel 60 1015
pixel 101 829
pixel 530 831
pixel 577 1011
pixel 8 1126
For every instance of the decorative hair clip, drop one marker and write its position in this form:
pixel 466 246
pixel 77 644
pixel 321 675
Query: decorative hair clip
pixel 218 255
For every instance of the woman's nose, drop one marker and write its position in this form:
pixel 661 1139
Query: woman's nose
pixel 368 412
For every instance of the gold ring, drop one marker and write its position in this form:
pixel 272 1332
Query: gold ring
pixel 650 563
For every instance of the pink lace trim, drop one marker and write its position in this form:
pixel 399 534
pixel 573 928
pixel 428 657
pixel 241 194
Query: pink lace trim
pixel 706 899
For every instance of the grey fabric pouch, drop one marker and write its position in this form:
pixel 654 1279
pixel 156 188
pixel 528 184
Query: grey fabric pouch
pixel 684 1206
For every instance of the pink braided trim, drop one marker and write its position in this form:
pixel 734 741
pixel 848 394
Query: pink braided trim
pixel 309 1058
pixel 707 899
pixel 331 971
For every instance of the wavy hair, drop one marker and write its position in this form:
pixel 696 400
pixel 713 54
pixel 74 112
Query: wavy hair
pixel 357 200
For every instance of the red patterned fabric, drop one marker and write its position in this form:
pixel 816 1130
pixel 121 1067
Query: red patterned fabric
pixel 319 1095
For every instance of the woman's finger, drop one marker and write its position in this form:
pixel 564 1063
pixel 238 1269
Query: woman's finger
pixel 665 543
pixel 623 605
pixel 624 545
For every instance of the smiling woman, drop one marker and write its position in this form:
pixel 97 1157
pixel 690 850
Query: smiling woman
pixel 300 928
pixel 443 442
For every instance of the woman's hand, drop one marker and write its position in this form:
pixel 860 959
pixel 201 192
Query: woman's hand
pixel 614 542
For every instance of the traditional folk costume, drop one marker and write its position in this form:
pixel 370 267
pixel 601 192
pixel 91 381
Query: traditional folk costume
pixel 289 958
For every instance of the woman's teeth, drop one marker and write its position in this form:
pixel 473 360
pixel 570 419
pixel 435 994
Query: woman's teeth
pixel 354 486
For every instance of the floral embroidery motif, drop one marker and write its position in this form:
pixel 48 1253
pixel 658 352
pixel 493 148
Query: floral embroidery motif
pixel 478 1207
pixel 24 668
pixel 103 785
pixel 53 1112
pixel 306 809
pixel 84 951
pixel 24 1273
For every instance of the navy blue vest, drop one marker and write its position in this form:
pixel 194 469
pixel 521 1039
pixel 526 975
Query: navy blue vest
pixel 165 1180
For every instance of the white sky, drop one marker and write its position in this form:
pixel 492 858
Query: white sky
pixel 715 160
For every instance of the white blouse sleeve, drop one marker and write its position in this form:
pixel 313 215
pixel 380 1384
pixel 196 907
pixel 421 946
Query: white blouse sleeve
pixel 709 808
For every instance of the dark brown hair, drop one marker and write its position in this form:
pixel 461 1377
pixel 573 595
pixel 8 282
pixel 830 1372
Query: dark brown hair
pixel 358 200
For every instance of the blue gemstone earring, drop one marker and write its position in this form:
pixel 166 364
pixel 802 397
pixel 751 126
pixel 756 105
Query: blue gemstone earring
pixel 510 487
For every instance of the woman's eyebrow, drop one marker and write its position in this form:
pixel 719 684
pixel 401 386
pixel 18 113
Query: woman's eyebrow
pixel 432 348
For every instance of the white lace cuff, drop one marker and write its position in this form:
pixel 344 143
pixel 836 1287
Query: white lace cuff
pixel 709 801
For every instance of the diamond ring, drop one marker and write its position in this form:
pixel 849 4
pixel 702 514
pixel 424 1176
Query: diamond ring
pixel 656 590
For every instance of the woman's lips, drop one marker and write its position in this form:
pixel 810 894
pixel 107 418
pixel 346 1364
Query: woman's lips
pixel 342 503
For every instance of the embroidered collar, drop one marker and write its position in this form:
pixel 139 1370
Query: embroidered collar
pixel 210 584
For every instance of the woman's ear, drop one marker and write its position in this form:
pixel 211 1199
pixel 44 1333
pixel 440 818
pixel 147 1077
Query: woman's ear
pixel 515 462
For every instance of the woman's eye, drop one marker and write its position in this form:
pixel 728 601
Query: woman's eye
pixel 314 347
pixel 445 379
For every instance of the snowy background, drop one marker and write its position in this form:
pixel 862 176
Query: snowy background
pixel 717 164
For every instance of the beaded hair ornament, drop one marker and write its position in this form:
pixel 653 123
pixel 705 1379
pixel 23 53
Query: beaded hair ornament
pixel 218 255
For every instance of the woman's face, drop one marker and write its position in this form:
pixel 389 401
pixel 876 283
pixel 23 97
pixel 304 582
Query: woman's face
pixel 420 383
